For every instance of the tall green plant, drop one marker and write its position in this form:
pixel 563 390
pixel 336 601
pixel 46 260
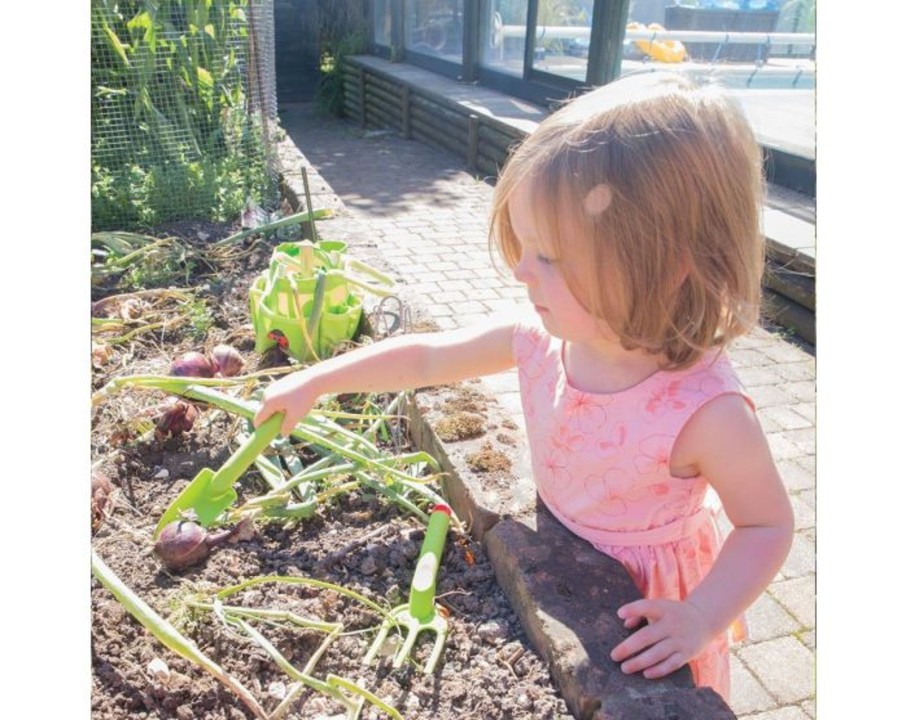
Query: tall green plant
pixel 172 134
pixel 342 30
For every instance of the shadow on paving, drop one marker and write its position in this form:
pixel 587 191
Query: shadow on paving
pixel 376 173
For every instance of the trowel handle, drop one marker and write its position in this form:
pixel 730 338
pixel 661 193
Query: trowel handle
pixel 242 458
pixel 421 594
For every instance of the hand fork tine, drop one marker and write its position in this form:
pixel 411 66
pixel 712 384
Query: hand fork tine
pixel 420 613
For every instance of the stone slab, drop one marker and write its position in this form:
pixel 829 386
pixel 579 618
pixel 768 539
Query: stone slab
pixel 566 595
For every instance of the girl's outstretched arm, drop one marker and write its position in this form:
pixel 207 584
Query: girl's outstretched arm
pixel 725 442
pixel 398 363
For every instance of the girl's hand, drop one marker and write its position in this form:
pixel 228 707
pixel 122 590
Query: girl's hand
pixel 676 633
pixel 293 395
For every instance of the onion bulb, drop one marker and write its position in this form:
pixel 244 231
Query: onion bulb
pixel 226 360
pixel 193 364
pixel 183 543
pixel 179 417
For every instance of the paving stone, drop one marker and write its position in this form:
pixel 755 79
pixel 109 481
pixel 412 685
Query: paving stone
pixel 743 358
pixel 784 666
pixel 784 352
pixel 802 558
pixel 807 410
pixel 760 375
pixel 802 370
pixel 513 292
pixel 443 265
pixel 783 446
pixel 804 438
pixel 769 424
pixel 795 475
pixel 786 417
pixel 804 515
pixel 747 693
pixel 790 712
pixel 809 707
pixel 463 285
pixel 767 620
pixel 809 497
pixel 440 311
pixel 769 395
pixel 798 597
pixel 805 391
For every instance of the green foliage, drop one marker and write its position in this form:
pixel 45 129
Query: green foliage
pixel 201 319
pixel 342 30
pixel 171 135
pixel 330 90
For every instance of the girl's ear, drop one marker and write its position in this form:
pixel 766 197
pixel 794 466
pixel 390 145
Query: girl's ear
pixel 598 199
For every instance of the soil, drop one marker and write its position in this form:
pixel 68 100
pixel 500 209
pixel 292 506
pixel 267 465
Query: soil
pixel 359 541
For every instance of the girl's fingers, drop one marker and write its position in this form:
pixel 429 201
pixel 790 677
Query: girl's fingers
pixel 643 638
pixel 650 609
pixel 667 666
pixel 651 657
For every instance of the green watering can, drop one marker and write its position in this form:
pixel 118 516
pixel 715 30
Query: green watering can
pixel 420 613
pixel 212 491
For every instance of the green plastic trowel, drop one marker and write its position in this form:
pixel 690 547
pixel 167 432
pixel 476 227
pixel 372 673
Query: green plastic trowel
pixel 212 491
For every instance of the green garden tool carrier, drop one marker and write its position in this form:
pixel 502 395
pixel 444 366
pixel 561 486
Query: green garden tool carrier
pixel 307 302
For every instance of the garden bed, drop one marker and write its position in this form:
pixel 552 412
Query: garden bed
pixel 358 539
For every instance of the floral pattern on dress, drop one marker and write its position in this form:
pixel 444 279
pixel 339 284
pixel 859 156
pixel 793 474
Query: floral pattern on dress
pixel 613 442
pixel 652 454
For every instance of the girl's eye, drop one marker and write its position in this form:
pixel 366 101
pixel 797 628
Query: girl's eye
pixel 545 260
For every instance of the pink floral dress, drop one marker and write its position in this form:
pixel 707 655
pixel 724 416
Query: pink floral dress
pixel 601 466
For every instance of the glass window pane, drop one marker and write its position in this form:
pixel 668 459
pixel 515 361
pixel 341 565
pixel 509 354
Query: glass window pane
pixel 382 12
pixel 435 27
pixel 562 37
pixel 728 52
pixel 503 35
pixel 725 41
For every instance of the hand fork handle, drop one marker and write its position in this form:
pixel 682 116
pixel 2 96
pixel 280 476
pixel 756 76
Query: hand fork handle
pixel 421 594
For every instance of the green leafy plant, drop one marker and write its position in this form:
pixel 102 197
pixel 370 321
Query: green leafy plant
pixel 172 131
pixel 200 317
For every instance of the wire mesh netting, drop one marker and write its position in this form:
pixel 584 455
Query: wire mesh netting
pixel 183 110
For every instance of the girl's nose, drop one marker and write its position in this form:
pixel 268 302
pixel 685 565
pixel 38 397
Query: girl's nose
pixel 521 272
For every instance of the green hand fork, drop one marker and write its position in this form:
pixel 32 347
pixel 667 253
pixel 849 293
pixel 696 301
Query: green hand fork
pixel 211 492
pixel 420 613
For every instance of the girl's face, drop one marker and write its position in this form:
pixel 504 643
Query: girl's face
pixel 562 314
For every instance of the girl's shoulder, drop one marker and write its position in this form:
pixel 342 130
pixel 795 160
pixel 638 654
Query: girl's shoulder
pixel 711 376
pixel 530 340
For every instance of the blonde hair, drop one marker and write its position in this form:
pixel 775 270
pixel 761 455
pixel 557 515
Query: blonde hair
pixel 675 260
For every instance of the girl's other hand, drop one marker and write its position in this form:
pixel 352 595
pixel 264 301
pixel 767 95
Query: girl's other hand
pixel 292 395
pixel 676 633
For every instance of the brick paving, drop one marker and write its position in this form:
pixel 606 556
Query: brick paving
pixel 428 218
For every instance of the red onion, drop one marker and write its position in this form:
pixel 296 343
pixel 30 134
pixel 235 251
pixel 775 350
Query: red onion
pixel 193 364
pixel 178 418
pixel 183 543
pixel 226 360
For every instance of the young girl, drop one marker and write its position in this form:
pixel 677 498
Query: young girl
pixel 632 217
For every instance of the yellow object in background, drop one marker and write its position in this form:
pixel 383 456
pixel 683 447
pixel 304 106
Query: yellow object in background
pixel 669 51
